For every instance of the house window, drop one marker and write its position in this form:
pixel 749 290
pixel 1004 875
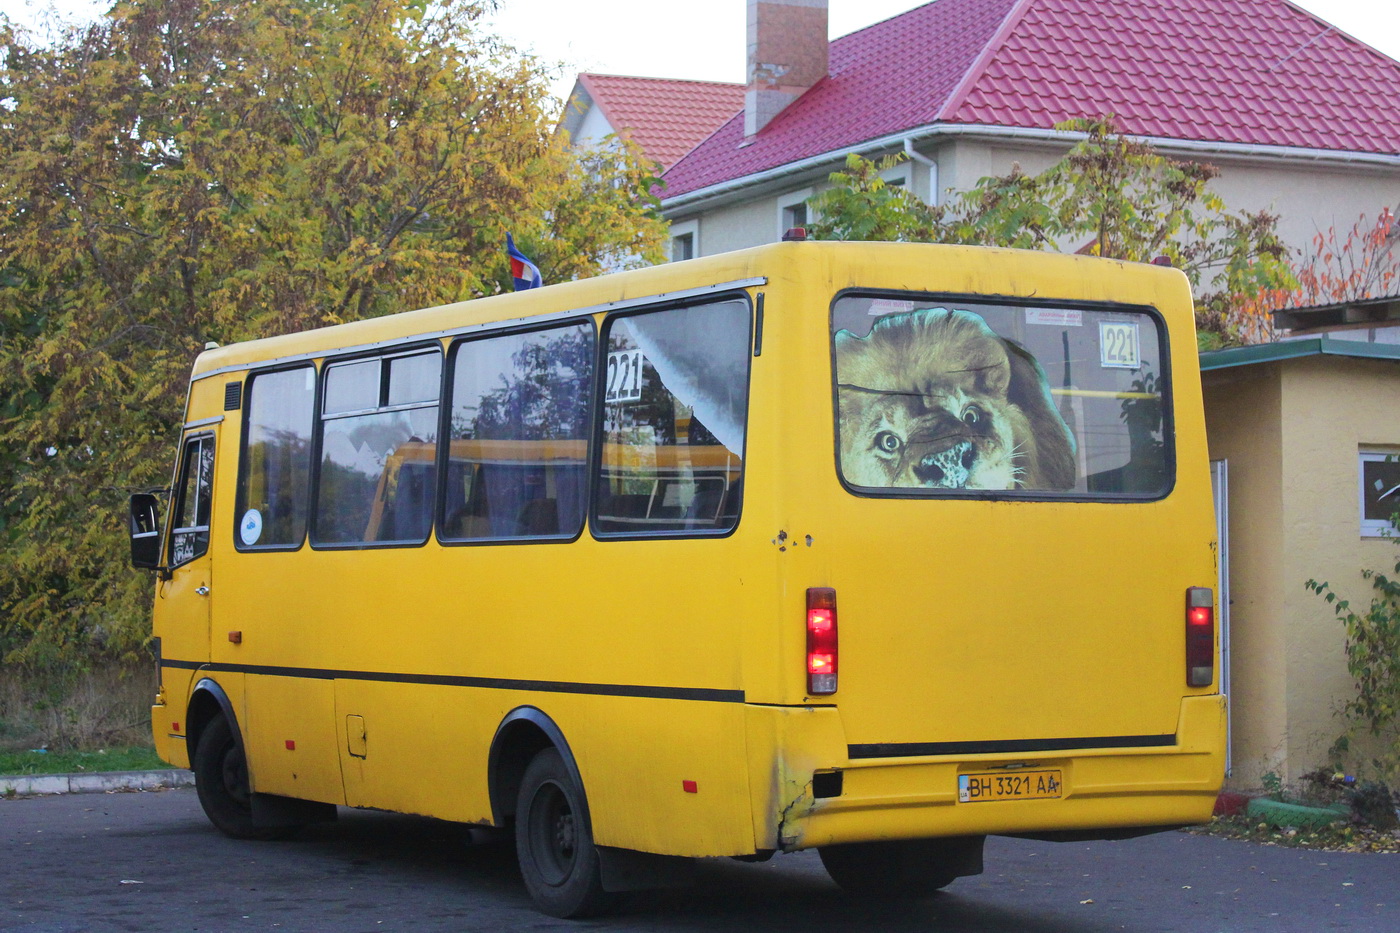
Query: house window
pixel 1380 491
pixel 793 211
pixel 685 240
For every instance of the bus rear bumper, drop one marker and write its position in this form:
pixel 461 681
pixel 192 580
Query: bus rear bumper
pixel 1112 790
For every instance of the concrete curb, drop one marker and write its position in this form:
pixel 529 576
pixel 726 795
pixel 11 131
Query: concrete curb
pixel 96 782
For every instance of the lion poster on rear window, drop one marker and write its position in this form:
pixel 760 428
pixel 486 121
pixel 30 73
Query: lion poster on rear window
pixel 934 398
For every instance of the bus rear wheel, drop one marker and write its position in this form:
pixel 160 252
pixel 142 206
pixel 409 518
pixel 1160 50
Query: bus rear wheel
pixel 554 842
pixel 221 781
pixel 904 868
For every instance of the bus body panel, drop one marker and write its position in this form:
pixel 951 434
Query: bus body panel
pixel 1105 789
pixel 672 664
pixel 964 621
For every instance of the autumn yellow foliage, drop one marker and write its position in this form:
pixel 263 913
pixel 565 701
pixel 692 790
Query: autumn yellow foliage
pixel 186 171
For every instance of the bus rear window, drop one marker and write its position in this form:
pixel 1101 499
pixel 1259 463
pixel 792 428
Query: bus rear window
pixel 947 397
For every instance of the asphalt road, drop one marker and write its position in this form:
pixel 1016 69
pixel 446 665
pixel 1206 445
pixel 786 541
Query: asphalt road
pixel 99 863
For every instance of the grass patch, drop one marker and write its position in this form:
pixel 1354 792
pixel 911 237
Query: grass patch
pixel 80 709
pixel 129 758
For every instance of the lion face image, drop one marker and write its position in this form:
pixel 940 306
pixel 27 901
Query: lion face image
pixel 934 398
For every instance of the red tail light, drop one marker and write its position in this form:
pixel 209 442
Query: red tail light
pixel 821 640
pixel 1200 637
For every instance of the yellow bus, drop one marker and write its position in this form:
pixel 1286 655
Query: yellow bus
pixel 876 549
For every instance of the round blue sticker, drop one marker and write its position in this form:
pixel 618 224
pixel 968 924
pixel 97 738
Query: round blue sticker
pixel 250 528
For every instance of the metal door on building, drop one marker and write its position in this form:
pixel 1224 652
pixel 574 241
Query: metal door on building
pixel 1220 487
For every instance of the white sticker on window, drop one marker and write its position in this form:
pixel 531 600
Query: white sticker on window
pixel 1055 317
pixel 250 528
pixel 1118 345
pixel 883 306
pixel 625 376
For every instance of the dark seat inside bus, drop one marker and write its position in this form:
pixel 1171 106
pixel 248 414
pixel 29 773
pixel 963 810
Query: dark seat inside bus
pixel 538 517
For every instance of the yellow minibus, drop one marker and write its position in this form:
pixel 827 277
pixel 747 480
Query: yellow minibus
pixel 871 548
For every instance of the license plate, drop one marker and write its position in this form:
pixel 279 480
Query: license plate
pixel 1009 785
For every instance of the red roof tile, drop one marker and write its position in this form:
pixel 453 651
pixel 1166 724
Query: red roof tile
pixel 665 117
pixel 1253 72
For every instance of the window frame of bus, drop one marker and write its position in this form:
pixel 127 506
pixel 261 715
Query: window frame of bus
pixel 408 348
pixel 444 432
pixel 177 500
pixel 971 302
pixel 595 468
pixel 240 506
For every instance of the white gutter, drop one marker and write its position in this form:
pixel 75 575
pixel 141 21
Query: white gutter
pixel 906 139
pixel 932 164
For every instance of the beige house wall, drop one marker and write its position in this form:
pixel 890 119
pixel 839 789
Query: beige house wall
pixel 1308 196
pixel 1333 407
pixel 1243 418
pixel 737 226
pixel 1291 431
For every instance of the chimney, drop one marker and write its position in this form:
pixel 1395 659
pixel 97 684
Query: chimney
pixel 787 55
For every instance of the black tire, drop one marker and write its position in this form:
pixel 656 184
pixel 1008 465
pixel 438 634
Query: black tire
pixel 221 780
pixel 903 868
pixel 554 842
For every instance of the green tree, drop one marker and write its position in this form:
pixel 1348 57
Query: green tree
pixel 1109 196
pixel 186 171
pixel 1373 660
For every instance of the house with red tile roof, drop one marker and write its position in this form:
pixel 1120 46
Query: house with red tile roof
pixel 1301 118
pixel 665 117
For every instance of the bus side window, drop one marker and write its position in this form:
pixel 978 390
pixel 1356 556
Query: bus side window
pixel 378 450
pixel 190 539
pixel 520 419
pixel 674 417
pixel 274 482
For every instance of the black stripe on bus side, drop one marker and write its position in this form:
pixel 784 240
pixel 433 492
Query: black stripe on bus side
pixel 1004 746
pixel 490 683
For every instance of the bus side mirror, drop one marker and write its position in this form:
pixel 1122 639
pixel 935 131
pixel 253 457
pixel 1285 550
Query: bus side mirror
pixel 144 526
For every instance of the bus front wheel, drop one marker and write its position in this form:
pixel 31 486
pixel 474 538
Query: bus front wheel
pixel 554 842
pixel 221 781
pixel 904 868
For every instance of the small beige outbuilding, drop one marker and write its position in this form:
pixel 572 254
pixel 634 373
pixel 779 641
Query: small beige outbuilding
pixel 1304 428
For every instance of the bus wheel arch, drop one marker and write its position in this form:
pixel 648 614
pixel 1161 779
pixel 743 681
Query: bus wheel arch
pixel 523 733
pixel 207 701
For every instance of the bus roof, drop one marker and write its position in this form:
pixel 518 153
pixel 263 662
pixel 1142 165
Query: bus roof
pixel 842 263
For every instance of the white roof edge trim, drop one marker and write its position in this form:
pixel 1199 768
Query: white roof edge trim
pixel 936 130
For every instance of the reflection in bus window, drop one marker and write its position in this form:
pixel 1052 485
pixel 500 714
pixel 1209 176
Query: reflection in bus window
pixel 520 419
pixel 273 489
pixel 675 403
pixel 378 466
pixel 937 400
pixel 190 538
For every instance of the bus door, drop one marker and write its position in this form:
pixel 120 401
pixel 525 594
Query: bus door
pixel 186 595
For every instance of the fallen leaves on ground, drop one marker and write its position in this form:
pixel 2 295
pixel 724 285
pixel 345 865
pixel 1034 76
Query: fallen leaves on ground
pixel 1339 837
